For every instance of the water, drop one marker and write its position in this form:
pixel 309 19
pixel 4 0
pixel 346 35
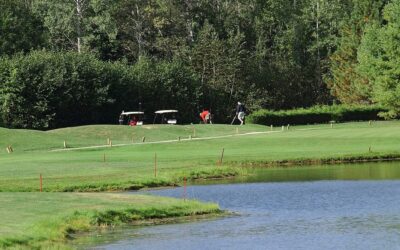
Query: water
pixel 336 207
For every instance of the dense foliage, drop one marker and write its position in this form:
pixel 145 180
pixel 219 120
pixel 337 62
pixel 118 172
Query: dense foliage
pixel 52 89
pixel 379 57
pixel 194 54
pixel 316 114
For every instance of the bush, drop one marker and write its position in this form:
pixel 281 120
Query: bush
pixel 47 90
pixel 44 90
pixel 316 114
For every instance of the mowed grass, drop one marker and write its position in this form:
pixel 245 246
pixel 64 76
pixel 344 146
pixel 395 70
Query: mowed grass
pixel 40 220
pixel 46 220
pixel 132 166
pixel 23 140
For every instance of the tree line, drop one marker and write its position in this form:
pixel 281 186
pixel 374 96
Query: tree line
pixel 71 62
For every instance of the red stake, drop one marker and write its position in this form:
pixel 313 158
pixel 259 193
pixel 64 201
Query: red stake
pixel 41 183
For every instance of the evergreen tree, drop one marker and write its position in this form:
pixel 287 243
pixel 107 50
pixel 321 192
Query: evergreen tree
pixel 379 57
pixel 345 82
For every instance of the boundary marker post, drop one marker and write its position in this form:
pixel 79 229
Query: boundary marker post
pixel 41 183
pixel 222 156
pixel 155 165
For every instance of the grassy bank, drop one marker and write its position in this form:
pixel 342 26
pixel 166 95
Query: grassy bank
pixel 132 166
pixel 40 220
pixel 46 219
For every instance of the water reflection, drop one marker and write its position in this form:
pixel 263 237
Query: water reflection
pixel 358 171
pixel 288 208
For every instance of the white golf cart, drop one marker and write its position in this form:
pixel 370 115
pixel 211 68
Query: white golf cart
pixel 167 116
pixel 133 118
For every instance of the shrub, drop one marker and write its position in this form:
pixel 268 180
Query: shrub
pixel 316 114
pixel 44 90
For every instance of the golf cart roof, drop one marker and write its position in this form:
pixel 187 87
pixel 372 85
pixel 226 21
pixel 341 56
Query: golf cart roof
pixel 166 111
pixel 132 113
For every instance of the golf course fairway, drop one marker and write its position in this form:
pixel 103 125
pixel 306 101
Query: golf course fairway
pixel 117 158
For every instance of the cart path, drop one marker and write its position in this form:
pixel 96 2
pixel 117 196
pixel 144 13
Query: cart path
pixel 166 141
pixel 186 139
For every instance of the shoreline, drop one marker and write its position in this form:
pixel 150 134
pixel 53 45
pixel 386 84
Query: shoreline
pixel 80 223
pixel 57 231
pixel 154 222
pixel 63 211
pixel 228 170
pixel 345 159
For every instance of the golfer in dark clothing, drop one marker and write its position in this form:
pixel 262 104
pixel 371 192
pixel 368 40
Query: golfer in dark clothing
pixel 240 112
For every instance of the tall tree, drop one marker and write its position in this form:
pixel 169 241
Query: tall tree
pixel 379 57
pixel 78 25
pixel 345 82
pixel 20 29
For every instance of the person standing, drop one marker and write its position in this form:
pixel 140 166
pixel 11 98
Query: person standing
pixel 241 112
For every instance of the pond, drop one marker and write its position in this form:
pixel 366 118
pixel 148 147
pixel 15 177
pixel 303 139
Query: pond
pixel 324 207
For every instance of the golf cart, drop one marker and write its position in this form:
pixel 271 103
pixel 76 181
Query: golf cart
pixel 167 116
pixel 132 118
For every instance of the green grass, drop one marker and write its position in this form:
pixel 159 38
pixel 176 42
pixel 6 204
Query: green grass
pixel 132 167
pixel 40 220
pixel 43 219
pixel 32 140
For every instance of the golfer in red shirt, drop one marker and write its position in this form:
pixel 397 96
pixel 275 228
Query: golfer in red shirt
pixel 205 116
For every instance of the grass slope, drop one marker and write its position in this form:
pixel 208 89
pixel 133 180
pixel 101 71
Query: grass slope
pixel 35 219
pixel 132 167
pixel 46 220
pixel 33 140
